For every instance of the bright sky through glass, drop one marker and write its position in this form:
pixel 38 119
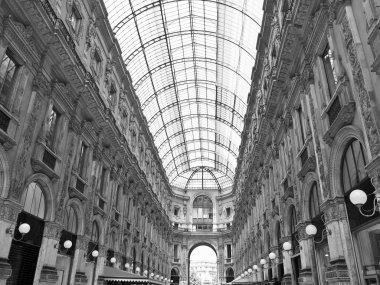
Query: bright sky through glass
pixel 191 63
pixel 203 253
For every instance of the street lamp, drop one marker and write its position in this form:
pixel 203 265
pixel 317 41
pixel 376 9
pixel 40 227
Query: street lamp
pixel 23 229
pixel 312 230
pixel 359 198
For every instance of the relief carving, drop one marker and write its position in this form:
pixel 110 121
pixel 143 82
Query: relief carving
pixel 361 91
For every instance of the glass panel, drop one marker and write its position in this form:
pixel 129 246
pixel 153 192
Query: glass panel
pixel 191 63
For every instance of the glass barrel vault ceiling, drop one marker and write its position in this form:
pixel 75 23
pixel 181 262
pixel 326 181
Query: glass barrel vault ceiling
pixel 191 62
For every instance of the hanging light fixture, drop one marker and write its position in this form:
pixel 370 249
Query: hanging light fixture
pixel 113 260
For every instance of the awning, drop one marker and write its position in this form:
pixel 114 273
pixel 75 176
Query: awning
pixel 114 274
pixel 246 280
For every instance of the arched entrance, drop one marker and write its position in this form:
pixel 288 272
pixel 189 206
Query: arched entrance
pixel 229 275
pixel 202 265
pixel 174 276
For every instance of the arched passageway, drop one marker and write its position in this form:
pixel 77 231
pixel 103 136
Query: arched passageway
pixel 202 267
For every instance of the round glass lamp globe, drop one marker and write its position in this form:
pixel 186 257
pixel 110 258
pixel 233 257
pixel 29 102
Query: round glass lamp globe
pixel 311 230
pixel 162 277
pixel 165 279
pixel 287 246
pixel 24 228
pixel 254 267
pixel 242 275
pixel 67 244
pixel 249 270
pixel 157 276
pixel 358 197
pixel 245 273
pixel 263 261
pixel 126 265
pixel 137 269
pixel 113 259
pixel 145 271
pixel 272 255
pixel 152 274
pixel 95 253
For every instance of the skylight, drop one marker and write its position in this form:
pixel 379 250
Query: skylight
pixel 190 63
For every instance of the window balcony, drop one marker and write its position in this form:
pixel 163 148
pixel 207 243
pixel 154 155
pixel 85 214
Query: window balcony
pixel 8 127
pixel 77 187
pixel 307 159
pixel 46 161
pixel 100 205
pixel 340 111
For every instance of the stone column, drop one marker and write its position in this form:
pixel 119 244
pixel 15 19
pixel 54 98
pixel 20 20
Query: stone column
pixel 342 259
pixel 308 273
pixel 46 273
pixel 79 262
pixel 99 265
pixel 273 263
pixel 287 278
pixel 8 217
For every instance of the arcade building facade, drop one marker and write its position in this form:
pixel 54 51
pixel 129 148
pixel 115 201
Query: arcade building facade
pixel 87 198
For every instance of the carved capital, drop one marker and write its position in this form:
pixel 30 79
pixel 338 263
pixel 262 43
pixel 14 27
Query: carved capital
pixel 334 209
pixel 52 230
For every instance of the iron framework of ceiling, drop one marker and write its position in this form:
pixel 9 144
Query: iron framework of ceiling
pixel 191 61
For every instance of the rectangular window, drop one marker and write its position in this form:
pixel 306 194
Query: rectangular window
pixel 75 19
pixel 176 251
pixel 112 95
pixel 229 251
pixel 300 117
pixel 52 128
pixel 328 65
pixel 176 212
pixel 97 62
pixel 129 208
pixel 103 182
pixel 8 70
pixel 82 160
pixel 228 211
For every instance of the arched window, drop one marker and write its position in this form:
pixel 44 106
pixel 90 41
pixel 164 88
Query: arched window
pixel 95 232
pixel 70 221
pixel 34 201
pixel 203 213
pixel 112 242
pixel 314 201
pixel 353 166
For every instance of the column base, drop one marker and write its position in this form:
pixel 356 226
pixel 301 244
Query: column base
pixel 286 280
pixel 337 273
pixel 48 276
pixel 5 270
pixel 80 278
pixel 306 277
